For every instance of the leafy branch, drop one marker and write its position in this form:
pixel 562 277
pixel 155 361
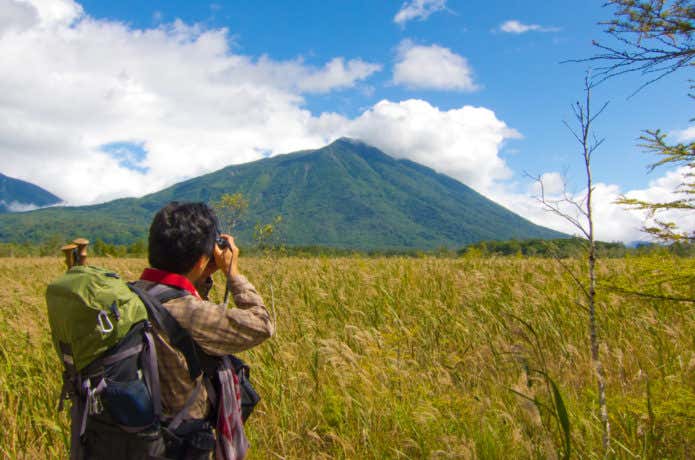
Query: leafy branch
pixel 656 37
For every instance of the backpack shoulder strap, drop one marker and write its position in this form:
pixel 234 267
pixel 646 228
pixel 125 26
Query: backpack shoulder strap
pixel 197 359
pixel 165 293
pixel 178 336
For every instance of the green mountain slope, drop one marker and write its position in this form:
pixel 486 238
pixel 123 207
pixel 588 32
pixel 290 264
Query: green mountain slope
pixel 346 194
pixel 15 192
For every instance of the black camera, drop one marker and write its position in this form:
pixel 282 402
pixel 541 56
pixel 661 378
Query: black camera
pixel 222 243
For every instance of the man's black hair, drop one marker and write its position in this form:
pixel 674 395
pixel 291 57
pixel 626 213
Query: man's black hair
pixel 180 233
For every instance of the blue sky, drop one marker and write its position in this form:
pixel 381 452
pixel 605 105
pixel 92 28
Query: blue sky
pixel 139 95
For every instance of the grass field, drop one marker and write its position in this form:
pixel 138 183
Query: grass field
pixel 412 358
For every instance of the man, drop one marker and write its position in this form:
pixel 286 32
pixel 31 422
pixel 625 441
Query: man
pixel 183 254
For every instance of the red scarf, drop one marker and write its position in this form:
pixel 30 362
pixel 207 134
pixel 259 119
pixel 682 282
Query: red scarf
pixel 170 279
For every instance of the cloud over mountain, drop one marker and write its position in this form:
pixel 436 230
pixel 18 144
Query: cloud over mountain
pixel 463 143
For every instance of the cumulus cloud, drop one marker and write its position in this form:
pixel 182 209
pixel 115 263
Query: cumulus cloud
pixel 53 13
pixel 16 16
pixel 432 67
pixel 462 143
pixel 613 222
pixel 516 27
pixel 335 74
pixel 552 183
pixel 418 9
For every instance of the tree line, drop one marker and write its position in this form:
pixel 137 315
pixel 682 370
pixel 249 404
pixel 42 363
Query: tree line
pixel 559 248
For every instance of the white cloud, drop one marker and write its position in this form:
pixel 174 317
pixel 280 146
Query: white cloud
pixel 16 206
pixel 516 27
pixel 462 143
pixel 55 13
pixel 613 222
pixel 16 16
pixel 432 67
pixel 686 135
pixel 553 183
pixel 334 75
pixel 418 9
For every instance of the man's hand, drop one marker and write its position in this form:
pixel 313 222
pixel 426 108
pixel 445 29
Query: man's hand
pixel 227 259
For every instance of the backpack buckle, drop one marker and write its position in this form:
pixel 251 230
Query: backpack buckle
pixel 94 405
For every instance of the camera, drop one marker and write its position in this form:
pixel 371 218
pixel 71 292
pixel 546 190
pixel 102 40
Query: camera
pixel 222 243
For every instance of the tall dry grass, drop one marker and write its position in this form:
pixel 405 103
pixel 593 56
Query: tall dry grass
pixel 411 358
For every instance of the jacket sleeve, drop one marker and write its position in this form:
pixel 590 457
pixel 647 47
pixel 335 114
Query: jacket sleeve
pixel 220 331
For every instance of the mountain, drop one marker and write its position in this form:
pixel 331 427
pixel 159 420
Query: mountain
pixel 347 194
pixel 17 195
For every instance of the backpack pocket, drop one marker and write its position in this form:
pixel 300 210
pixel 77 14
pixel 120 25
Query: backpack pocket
pixel 129 403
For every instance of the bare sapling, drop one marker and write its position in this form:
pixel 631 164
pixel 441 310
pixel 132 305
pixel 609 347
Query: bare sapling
pixel 578 211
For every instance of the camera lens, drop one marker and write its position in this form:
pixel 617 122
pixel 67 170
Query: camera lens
pixel 221 242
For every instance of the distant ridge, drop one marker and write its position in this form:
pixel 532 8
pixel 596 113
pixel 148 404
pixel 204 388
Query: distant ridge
pixel 346 194
pixel 19 195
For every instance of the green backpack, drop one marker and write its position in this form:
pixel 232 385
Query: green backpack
pixel 91 309
pixel 102 334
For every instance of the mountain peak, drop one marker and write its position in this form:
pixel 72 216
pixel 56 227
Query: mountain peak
pixel 349 141
pixel 357 147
